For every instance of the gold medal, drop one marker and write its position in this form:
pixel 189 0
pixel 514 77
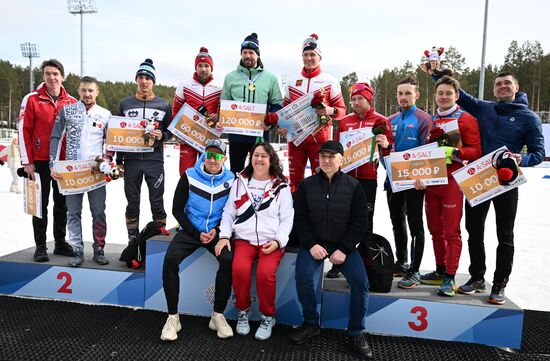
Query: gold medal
pixel 251 87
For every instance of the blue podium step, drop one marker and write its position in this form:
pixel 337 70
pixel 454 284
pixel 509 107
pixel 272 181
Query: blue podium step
pixel 110 284
pixel 421 312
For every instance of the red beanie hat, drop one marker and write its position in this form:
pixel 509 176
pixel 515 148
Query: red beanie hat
pixel 204 57
pixel 363 89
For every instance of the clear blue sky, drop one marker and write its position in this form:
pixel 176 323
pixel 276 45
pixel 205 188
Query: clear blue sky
pixel 363 36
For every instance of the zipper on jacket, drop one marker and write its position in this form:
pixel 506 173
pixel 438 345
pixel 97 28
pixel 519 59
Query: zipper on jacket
pixel 211 204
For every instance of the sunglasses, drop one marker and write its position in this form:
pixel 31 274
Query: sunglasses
pixel 214 155
pixel 249 45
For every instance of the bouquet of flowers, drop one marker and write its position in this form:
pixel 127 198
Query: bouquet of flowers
pixel 438 135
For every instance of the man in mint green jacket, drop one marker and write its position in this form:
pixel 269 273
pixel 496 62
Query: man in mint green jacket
pixel 252 84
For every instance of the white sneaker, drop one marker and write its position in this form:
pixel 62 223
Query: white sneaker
pixel 15 189
pixel 243 327
pixel 218 323
pixel 171 328
pixel 264 330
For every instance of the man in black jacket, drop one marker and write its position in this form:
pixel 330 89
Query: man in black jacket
pixel 330 213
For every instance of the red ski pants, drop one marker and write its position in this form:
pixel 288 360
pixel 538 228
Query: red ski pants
pixel 188 157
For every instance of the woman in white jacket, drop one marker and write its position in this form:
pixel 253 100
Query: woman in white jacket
pixel 259 214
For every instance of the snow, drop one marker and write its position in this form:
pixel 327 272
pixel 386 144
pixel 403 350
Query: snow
pixel 527 286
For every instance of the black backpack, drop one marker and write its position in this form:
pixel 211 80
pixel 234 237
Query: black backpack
pixel 134 254
pixel 378 258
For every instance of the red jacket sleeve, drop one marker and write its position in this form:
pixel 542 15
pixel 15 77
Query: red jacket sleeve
pixel 26 126
pixel 178 103
pixel 471 139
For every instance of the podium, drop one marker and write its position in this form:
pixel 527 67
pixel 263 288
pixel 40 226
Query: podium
pixel 421 312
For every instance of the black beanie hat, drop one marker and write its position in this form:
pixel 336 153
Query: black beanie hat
pixel 147 68
pixel 251 42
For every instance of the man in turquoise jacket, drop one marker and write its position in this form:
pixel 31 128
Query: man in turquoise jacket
pixel 250 83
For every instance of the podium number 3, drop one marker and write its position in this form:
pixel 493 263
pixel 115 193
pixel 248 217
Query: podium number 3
pixel 68 279
pixel 421 323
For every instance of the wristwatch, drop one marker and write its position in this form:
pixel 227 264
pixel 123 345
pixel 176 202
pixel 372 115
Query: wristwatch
pixel 456 152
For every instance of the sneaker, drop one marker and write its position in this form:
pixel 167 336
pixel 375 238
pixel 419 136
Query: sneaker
pixel 333 272
pixel 448 287
pixel 497 295
pixel 78 258
pixel 41 254
pixel 472 286
pixel 99 257
pixel 409 280
pixel 264 330
pixel 432 278
pixel 243 327
pixel 171 328
pixel 63 249
pixel 305 332
pixel 15 189
pixel 359 345
pixel 400 269
pixel 219 323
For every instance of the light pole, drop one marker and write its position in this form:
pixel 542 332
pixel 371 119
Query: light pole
pixel 482 69
pixel 29 50
pixel 82 7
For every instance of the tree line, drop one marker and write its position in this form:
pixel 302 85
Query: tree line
pixel 527 61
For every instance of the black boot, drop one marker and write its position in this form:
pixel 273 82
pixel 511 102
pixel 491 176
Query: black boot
pixel 63 249
pixel 360 346
pixel 304 333
pixel 41 254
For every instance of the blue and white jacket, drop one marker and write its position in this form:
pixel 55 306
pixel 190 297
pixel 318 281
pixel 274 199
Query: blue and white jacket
pixel 200 197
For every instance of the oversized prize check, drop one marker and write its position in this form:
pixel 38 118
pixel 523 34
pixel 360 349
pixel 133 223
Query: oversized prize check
pixel 77 176
pixel 299 119
pixel 32 196
pixel 242 118
pixel 126 135
pixel 357 145
pixel 479 180
pixel 190 126
pixel 424 162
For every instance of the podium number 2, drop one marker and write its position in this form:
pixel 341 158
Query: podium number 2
pixel 421 323
pixel 68 279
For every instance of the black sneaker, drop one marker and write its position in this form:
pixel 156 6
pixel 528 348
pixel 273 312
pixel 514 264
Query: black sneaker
pixel 399 269
pixel 497 295
pixel 304 333
pixel 359 345
pixel 63 249
pixel 41 254
pixel 333 272
pixel 472 286
pixel 99 257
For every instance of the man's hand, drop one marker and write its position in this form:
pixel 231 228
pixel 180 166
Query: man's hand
pixel 29 169
pixel 318 252
pixel 224 242
pixel 208 237
pixel 157 134
pixel 55 175
pixel 517 158
pixel 282 132
pixel 419 185
pixel 382 141
pixel 337 257
pixel 326 110
pixel 270 247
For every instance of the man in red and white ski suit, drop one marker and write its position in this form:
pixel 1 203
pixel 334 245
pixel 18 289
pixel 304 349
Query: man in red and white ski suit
pixel 202 94
pixel 312 79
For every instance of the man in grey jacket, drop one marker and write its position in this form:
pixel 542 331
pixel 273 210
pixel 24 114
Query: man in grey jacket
pixel 83 127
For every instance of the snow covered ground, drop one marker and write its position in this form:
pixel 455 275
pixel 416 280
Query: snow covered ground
pixel 527 286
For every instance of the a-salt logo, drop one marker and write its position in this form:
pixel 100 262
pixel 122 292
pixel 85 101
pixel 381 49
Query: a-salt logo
pixel 123 124
pixel 406 156
pixel 195 117
pixel 69 168
pixel 133 113
pixel 233 106
pixel 471 171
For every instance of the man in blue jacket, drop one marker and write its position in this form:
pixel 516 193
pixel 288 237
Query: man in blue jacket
pixel 509 122
pixel 199 199
pixel 410 129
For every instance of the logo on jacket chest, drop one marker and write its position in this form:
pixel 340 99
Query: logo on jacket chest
pixel 133 113
pixel 299 82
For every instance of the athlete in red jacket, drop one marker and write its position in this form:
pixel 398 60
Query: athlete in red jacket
pixel 202 94
pixel 444 203
pixel 312 79
pixel 36 119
